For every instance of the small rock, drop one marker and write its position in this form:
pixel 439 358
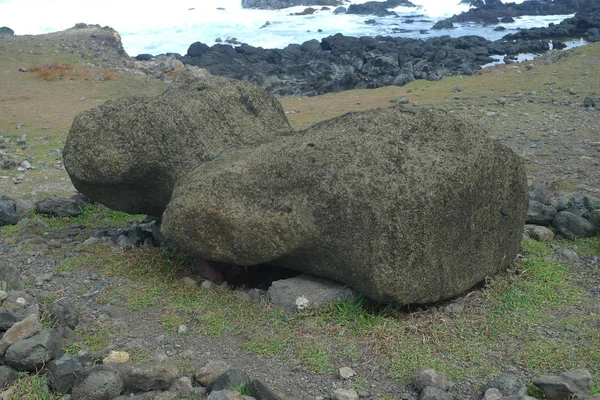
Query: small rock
pixel 307 292
pixel 21 330
pixel 403 100
pixel 8 212
pixel 570 328
pixel 61 206
pixel 207 284
pixel 62 313
pixel 508 385
pixel 101 382
pixel 7 376
pixel 502 101
pixel 346 373
pixel 558 387
pixel 589 102
pixel 539 233
pixel 344 394
pixel 92 240
pixel 492 394
pixel 529 67
pixel 33 353
pixel 183 387
pixel 182 329
pixel 454 308
pixel 573 226
pixel 151 375
pixel 261 391
pixel 429 377
pixel 63 371
pixel 3 296
pixel 580 377
pixel 568 254
pixel 7 394
pixel 116 357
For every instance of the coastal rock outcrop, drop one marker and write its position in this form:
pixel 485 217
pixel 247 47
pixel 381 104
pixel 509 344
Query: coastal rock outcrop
pixel 5 31
pixel 128 153
pixel 279 4
pixel 339 62
pixel 404 206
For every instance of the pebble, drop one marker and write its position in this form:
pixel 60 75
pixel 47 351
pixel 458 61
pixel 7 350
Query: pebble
pixel 182 329
pixel 207 284
pixel 3 295
pixel 570 328
pixel 346 373
pixel 116 357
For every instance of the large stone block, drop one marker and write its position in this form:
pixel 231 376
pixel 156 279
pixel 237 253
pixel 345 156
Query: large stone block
pixel 404 206
pixel 129 153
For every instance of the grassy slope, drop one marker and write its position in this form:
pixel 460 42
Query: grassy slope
pixel 517 319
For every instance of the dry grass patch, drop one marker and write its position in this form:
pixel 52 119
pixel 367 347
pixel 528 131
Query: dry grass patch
pixel 53 72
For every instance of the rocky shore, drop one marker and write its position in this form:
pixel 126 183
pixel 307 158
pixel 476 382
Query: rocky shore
pixel 340 62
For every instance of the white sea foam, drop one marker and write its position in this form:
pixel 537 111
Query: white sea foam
pixel 173 26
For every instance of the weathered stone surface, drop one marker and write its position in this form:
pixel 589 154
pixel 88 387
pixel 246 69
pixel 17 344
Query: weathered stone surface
pixel 233 377
pixel 8 211
pixel 62 313
pixel 573 226
pixel 7 376
pixel 492 394
pixel 7 319
pixel 210 372
pixel 61 206
pixel 539 193
pixel 21 330
pixel 390 202
pixel 261 391
pixel 540 214
pixel 508 384
pixel 10 278
pixel 129 153
pixel 307 292
pixel 582 378
pixel 557 387
pixel 33 353
pixel 63 371
pixel 24 207
pixel 578 204
pixel 429 377
pixel 150 375
pixel 101 382
pixel 540 233
pixel 116 357
pixel 182 387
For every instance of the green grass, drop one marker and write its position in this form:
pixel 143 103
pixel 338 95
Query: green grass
pixel 95 339
pixel 32 387
pixel 506 327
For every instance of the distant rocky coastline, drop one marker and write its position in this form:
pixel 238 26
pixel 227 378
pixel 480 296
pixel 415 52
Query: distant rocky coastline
pixel 279 4
pixel 339 62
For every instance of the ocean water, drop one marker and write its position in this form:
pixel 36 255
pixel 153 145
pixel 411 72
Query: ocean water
pixel 173 26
